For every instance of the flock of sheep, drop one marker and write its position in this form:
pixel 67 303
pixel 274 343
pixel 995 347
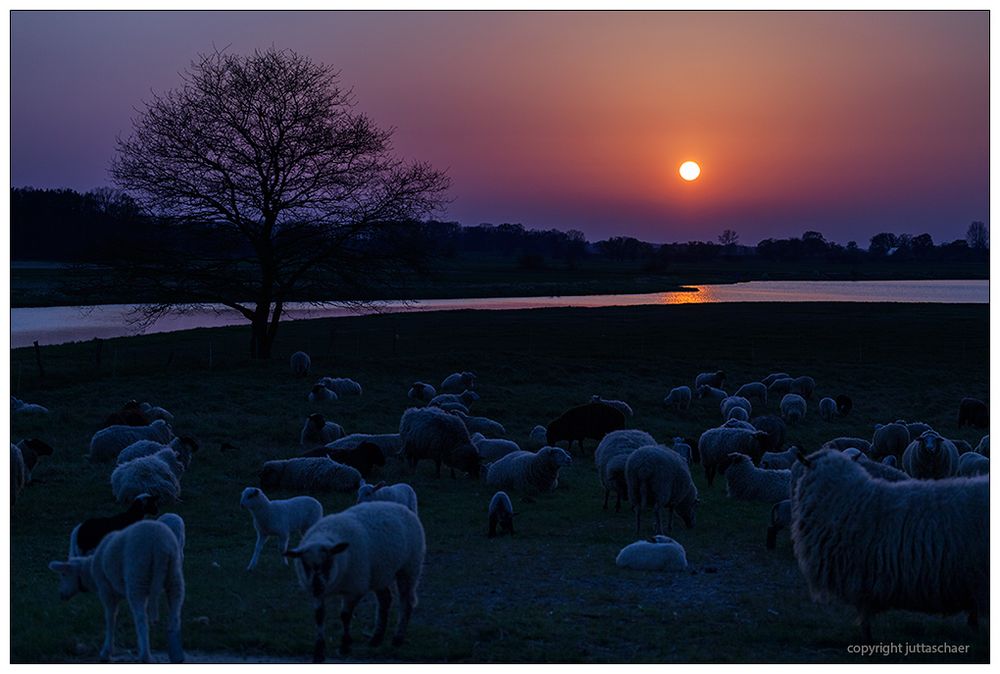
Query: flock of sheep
pixel 899 521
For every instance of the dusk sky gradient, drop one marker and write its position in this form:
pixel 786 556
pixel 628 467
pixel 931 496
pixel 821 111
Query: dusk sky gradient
pixel 848 123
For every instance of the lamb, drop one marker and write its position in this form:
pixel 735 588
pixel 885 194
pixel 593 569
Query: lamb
pixel 183 446
pixel 711 393
pixel 973 412
pixel 107 443
pixel 312 474
pixel 972 465
pixel 430 433
pixel 713 379
pixel 153 412
pixel 465 399
pixel 592 420
pixel 804 386
pixel 844 405
pixel 610 457
pixel 984 446
pixel 659 478
pixel 930 457
pixel 780 387
pixel 730 402
pixel 774 427
pixel 746 482
pixel 937 562
pixel 481 425
pixel 619 405
pixel 492 449
pixel 18 473
pixel 401 493
pixel 781 518
pixel 320 394
pixel 456 382
pixel 843 442
pixel 421 392
pixel 300 363
pixel 318 432
pixel 18 406
pixel 779 460
pixel 774 376
pixel 368 547
pixel 536 439
pixel 88 534
pixel 679 398
pixel 136 563
pixel 157 474
pixel 278 518
pixel 755 390
pixel 793 408
pixel 529 471
pixel 389 443
pixel 32 449
pixel 889 439
pixel 717 444
pixel 658 553
pixel 501 514
pixel 364 457
pixel 341 386
pixel 827 409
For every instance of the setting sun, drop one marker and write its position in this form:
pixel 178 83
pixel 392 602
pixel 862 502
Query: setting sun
pixel 689 170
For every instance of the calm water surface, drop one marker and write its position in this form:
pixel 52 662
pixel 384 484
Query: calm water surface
pixel 58 325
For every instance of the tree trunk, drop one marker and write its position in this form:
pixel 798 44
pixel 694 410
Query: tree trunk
pixel 263 329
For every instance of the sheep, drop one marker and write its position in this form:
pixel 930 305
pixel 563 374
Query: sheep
pixel 88 534
pixel 844 405
pixel 774 427
pixel 771 378
pixel 501 514
pixel 135 564
pixel 843 442
pixel 278 518
pixel 130 414
pixel 389 443
pixel 716 444
pixel 491 449
pixel 176 525
pixel 430 433
pixel 793 408
pixel 679 398
pixel 916 428
pixel 657 553
pixel 711 393
pixel 930 457
pixel 729 402
pixel 364 457
pixel 300 363
pixel 18 473
pixel 481 425
pixel 421 392
pixel 157 474
pixel 683 448
pixel 318 432
pixel 465 399
pixel 659 478
pixel 803 386
pixel 368 547
pixel 310 474
pixel 320 393
pixel 619 405
pixel 962 446
pixel 610 456
pixel 529 471
pixel 973 412
pixel 880 470
pixel 714 379
pixel 984 446
pixel 108 442
pixel 18 406
pixel 536 438
pixel 451 407
pixel 914 545
pixel 972 464
pixel 755 390
pixel 887 460
pixel 32 449
pixel 738 423
pixel 746 482
pixel 183 446
pixel 779 387
pixel 889 439
pixel 153 412
pixel 592 420
pixel 456 382
pixel 781 518
pixel 739 414
pixel 779 460
pixel 827 409
pixel 341 386
pixel 400 492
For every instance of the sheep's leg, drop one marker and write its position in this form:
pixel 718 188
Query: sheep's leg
pixel 384 597
pixel 618 502
pixel 346 614
pixel 110 613
pixel 284 548
pixel 175 599
pixel 138 606
pixel 407 600
pixel 319 616
pixel 261 539
pixel 670 520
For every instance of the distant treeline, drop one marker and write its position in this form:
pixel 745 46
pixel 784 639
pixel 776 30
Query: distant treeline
pixel 66 226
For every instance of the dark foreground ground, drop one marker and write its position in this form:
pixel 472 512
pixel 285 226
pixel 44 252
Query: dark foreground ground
pixel 553 592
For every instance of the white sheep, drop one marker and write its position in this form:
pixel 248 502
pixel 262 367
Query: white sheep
pixel 400 492
pixel 774 376
pixel 679 398
pixel 157 474
pixel 501 514
pixel 135 564
pixel 930 457
pixel 658 478
pixel 342 386
pixel 889 439
pixel 321 394
pixel 279 518
pixel 536 438
pixel 389 443
pixel 153 412
pixel 370 547
pixel 311 474
pixel 318 432
pixel 730 402
pixel 108 442
pixel 528 471
pixel 716 444
pixel 300 363
pixel 455 383
pixel 184 447
pixel 465 399
pixel 972 464
pixel 754 390
pixel 738 414
pixel 779 387
pixel 488 427
pixel 713 379
pixel 492 449
pixel 421 392
pixel 803 386
pixel 827 409
pixel 793 408
pixel 176 525
pixel 610 456
pixel 659 553
pixel 746 482
pixel 619 405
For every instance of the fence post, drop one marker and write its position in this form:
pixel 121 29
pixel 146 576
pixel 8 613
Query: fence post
pixel 38 359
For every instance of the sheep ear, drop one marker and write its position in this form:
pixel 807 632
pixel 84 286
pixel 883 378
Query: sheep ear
pixel 59 567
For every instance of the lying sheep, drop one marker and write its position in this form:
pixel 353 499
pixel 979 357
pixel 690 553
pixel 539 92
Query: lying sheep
pixel 746 482
pixel 18 473
pixel 389 443
pixel 458 381
pixel 610 457
pixel 300 363
pixel 781 518
pixel 658 478
pixel 492 449
pixel 679 398
pixel 342 386
pixel 280 518
pixel 710 392
pixel 774 376
pixel 321 394
pixel 730 402
pixel 465 399
pixel 153 412
pixel 536 439
pixel 107 443
pixel 318 432
pixel 577 424
pixel 157 474
pixel 889 439
pixel 827 409
pixel 421 392
pixel 527 471
pixel 487 427
pixel 311 474
pixel 501 514
pixel 803 386
pixel 714 379
pixel 136 564
pixel 430 433
pixel 88 534
pixel 793 408
pixel 385 549
pixel 658 553
pixel 972 465
pixel 930 457
pixel 774 427
pixel 843 442
pixel 973 412
pixel 619 405
pixel 183 446
pixel 917 545
pixel 754 390
pixel 717 444
pixel 401 493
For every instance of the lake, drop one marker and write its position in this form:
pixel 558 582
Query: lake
pixel 58 325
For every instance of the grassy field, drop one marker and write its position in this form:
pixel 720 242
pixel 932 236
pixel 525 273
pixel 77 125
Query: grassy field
pixel 552 593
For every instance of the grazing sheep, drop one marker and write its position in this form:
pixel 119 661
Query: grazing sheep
pixel 153 412
pixel 465 399
pixel 491 449
pixel 400 492
pixel 421 392
pixel 827 409
pixel 341 386
pixel 739 414
pixel 318 432
pixel 781 518
pixel 320 394
pixel 364 457
pixel 619 405
pixel 430 433
pixel 487 427
pixel 536 439
pixel 657 553
pixel 18 406
pixel 730 402
pixel 774 376
pixel 130 414
pixel 793 408
pixel 930 457
pixel 32 449
pixel 844 405
pixel 456 382
pixel 754 390
pixel 529 471
pixel 309 474
pixel 713 379
pixel 610 456
pixel 915 545
pixel 984 446
pixel 108 442
pixel 592 420
pixel 973 412
pixel 779 460
pixel 135 564
pixel 157 474
pixel 658 478
pixel 746 482
pixel 18 473
pixel 780 387
pixel 711 393
pixel 183 446
pixel 88 534
pixel 774 427
pixel 679 398
pixel 843 443
pixel 972 464
pixel 804 386
pixel 300 363
pixel 368 547
pixel 716 445
pixel 278 518
pixel 501 514
pixel 389 443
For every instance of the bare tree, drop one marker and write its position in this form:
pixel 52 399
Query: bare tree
pixel 269 188
pixel 978 236
pixel 729 238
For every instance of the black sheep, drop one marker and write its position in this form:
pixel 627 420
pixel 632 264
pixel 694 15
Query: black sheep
pixel 593 420
pixel 129 415
pixel 31 449
pixel 973 412
pixel 93 530
pixel 775 429
pixel 364 457
pixel 844 405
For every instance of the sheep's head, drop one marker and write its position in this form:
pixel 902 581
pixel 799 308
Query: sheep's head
pixel 931 442
pixel 74 576
pixel 687 507
pixel 556 455
pixel 468 397
pixel 250 495
pixel 317 564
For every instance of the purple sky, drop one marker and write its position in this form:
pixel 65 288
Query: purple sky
pixel 847 123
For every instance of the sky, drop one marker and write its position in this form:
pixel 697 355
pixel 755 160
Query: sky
pixel 848 123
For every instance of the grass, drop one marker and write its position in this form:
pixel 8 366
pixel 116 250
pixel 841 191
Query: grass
pixel 550 594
